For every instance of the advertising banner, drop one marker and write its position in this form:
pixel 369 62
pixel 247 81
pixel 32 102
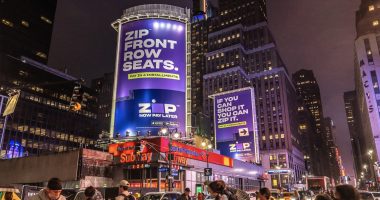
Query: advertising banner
pixel 161 145
pixel 235 124
pixel 151 77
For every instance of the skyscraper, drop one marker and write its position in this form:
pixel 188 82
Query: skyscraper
pixel 367 76
pixel 104 88
pixel 308 89
pixel 334 166
pixel 241 53
pixel 354 126
pixel 42 121
pixel 307 130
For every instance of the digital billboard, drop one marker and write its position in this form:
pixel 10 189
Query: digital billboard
pixel 150 77
pixel 235 124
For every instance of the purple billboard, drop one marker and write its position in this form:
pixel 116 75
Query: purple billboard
pixel 235 124
pixel 151 77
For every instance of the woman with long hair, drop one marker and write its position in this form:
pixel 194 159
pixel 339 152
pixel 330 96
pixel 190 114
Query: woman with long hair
pixel 218 190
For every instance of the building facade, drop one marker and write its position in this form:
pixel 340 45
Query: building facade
pixel 103 86
pixel 308 89
pixel 241 53
pixel 354 126
pixel 367 75
pixel 42 122
pixel 26 28
pixel 333 152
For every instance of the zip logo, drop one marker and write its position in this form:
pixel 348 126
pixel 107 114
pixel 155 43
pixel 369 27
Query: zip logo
pixel 157 110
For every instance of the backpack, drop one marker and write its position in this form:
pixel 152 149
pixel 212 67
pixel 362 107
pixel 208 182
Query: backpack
pixel 129 197
pixel 236 194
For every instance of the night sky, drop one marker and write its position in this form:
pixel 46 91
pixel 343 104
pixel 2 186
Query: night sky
pixel 317 35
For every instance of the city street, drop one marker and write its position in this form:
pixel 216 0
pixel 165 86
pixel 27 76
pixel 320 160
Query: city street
pixel 180 100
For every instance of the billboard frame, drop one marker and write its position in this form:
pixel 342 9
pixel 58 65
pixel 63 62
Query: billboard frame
pixel 156 11
pixel 254 118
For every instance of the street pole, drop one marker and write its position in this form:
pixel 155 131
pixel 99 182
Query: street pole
pixel 170 163
pixel 4 124
pixel 208 177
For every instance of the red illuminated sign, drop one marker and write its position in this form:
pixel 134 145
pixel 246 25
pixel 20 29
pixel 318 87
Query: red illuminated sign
pixel 161 145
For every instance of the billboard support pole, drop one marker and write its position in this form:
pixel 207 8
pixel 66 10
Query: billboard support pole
pixel 4 124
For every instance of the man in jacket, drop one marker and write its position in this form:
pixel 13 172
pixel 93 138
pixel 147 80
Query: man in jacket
pixel 51 192
pixel 124 194
pixel 186 195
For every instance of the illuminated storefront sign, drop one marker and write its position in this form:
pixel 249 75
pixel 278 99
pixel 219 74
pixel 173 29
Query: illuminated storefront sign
pixel 181 152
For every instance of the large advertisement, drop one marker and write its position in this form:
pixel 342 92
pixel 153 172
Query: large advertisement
pixel 235 124
pixel 151 77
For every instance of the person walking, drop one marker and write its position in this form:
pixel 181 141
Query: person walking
pixel 264 194
pixel 218 190
pixel 52 191
pixel 200 196
pixel 124 194
pixel 186 195
pixel 346 192
pixel 323 197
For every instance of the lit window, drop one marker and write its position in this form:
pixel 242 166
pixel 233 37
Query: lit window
pixel 42 55
pixel 371 7
pixel 270 137
pixel 25 23
pixel 7 23
pixel 238 35
pixel 282 135
pixel 375 23
pixel 45 19
pixel 263 137
pixel 276 136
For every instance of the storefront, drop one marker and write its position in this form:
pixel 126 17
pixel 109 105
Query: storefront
pixel 144 163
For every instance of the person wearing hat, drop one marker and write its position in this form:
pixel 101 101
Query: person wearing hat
pixel 124 194
pixel 51 192
pixel 186 195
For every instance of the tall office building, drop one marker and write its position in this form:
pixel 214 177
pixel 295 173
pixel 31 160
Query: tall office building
pixel 307 130
pixel 367 76
pixel 103 86
pixel 354 126
pixel 42 122
pixel 26 28
pixel 333 156
pixel 308 88
pixel 241 53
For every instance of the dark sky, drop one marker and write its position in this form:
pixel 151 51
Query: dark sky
pixel 317 35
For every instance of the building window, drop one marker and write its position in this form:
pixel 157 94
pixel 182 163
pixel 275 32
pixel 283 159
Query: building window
pixel 371 8
pixel 368 51
pixel 45 19
pixel 7 23
pixel 42 55
pixel 25 23
pixel 375 23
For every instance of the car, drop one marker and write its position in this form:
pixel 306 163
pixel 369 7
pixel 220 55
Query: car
pixel 161 196
pixel 209 198
pixel 364 195
pixel 252 195
pixel 376 195
pixel 306 195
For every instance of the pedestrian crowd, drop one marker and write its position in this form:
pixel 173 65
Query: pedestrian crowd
pixel 218 190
